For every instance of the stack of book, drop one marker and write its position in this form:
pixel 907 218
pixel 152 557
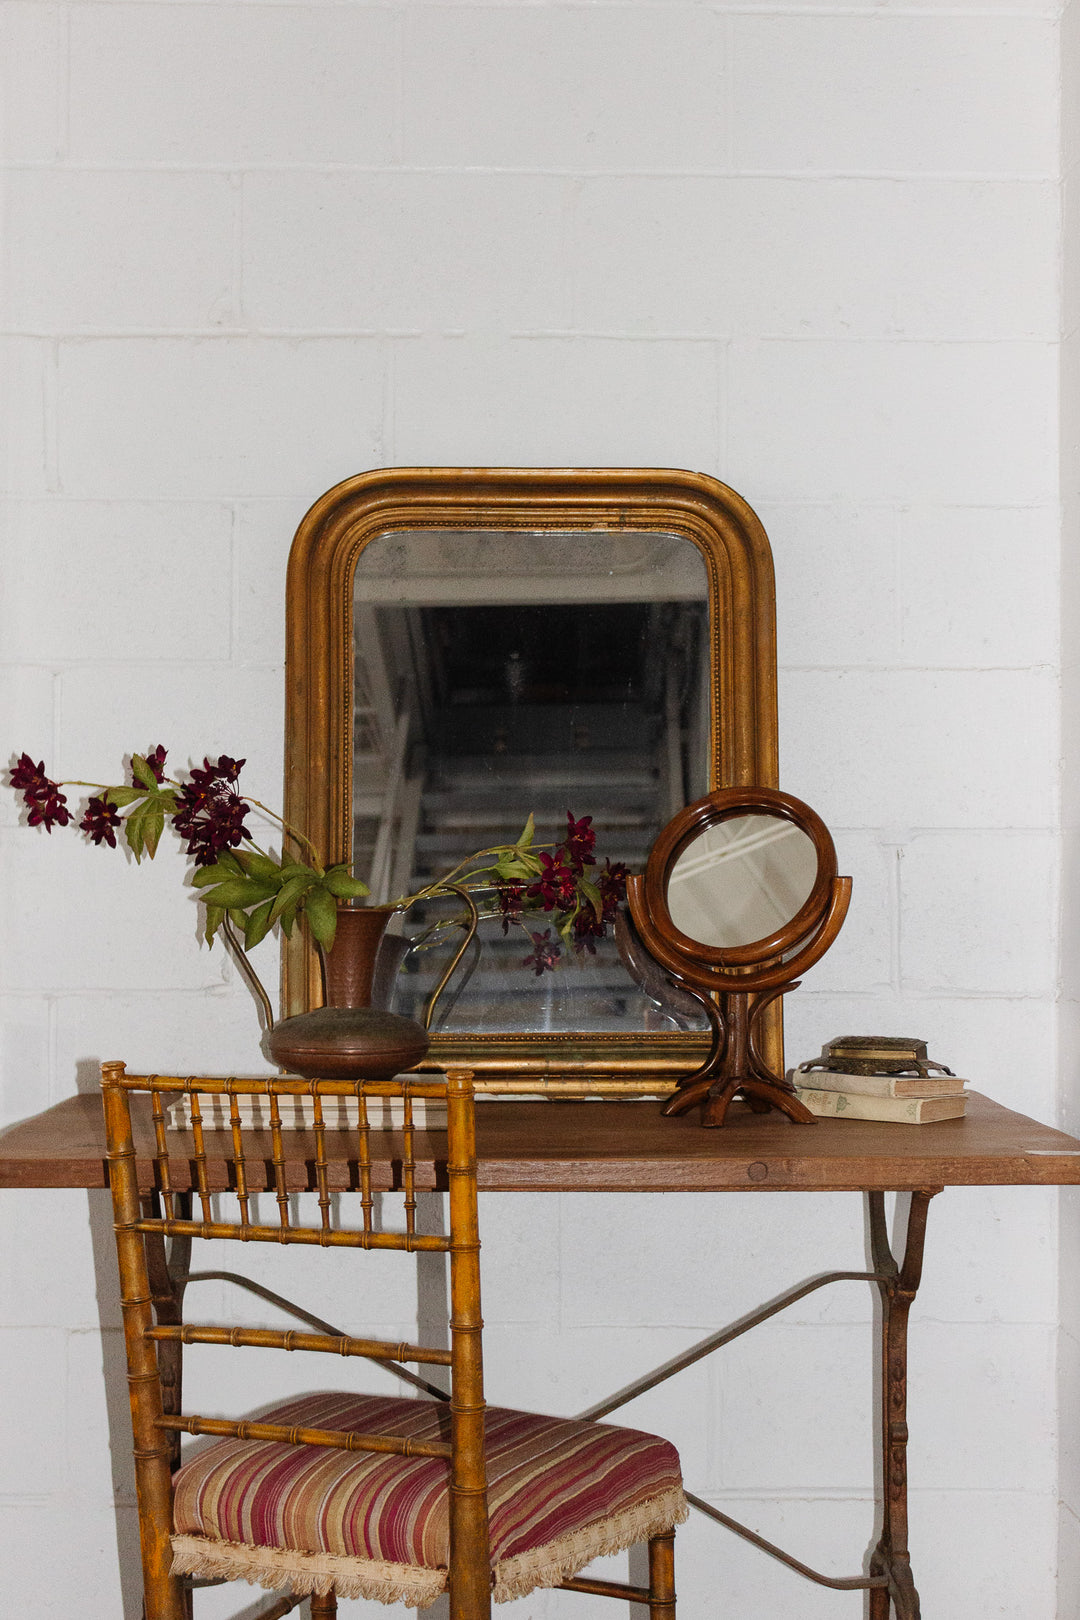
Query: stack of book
pixel 904 1099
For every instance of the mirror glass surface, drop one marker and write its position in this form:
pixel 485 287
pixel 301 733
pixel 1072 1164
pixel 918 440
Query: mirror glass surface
pixel 741 880
pixel 503 672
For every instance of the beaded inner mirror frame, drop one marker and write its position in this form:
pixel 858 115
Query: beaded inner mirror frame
pixel 736 983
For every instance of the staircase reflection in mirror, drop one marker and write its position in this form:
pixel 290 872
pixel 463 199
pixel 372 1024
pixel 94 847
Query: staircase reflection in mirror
pixel 498 673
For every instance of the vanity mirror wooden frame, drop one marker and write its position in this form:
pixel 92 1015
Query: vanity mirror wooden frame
pixel 319 720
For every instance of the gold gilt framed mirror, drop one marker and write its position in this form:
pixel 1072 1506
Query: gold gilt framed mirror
pixel 466 646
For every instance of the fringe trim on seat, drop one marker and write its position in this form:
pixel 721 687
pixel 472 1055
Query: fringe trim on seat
pixel 278 1567
pixel 303 1573
pixel 560 1560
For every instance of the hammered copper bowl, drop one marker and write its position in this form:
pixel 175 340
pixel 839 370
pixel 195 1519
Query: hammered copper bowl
pixel 347 1043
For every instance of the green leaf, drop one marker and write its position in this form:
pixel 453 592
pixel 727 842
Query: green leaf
pixel 258 866
pixel 240 893
pixel 223 869
pixel 288 921
pixel 218 873
pixel 133 830
pixel 591 894
pixel 142 772
pixel 511 868
pixel 528 832
pixel 341 883
pixel 121 797
pixel 295 869
pixel 153 822
pixel 289 894
pixel 258 924
pixel 322 915
pixel 238 919
pixel 213 919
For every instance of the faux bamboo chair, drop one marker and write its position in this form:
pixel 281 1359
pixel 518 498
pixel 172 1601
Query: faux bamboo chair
pixel 366 1496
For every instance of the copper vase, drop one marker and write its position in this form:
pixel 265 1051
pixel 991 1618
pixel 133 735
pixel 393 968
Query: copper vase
pixel 348 1039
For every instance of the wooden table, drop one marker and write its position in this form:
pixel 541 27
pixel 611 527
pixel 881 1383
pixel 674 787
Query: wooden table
pixel 628 1147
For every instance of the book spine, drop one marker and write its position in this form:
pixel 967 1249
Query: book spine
pixel 898 1110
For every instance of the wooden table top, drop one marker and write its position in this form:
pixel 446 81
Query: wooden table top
pixel 608 1147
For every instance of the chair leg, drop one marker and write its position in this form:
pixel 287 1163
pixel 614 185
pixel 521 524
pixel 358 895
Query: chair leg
pixel 323 1608
pixel 662 1577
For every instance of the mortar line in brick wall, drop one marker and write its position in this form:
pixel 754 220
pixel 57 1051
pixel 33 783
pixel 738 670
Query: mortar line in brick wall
pixel 234 582
pixel 51 415
pixel 52 1046
pixel 597 334
pixel 63 69
pixel 729 70
pixel 397 111
pixel 689 7
pixel 202 334
pixel 236 301
pixel 966 829
pixel 62 496
pixel 1015 14
pixel 554 171
pixel 928 998
pixel 389 403
pixel 289 334
pixel 855 666
pixel 814 503
pixel 64 667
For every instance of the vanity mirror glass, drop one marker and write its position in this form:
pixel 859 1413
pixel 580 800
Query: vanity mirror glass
pixel 467 645
pixel 504 673
pixel 742 880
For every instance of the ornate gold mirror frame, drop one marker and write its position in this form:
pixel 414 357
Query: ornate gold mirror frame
pixel 319 684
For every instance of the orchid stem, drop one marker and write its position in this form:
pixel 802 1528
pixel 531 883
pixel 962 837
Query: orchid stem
pixel 292 832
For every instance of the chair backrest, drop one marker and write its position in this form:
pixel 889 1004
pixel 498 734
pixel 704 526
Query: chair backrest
pixel 224 1174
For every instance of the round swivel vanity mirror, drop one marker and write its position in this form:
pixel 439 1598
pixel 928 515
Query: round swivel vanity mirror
pixel 740 896
pixel 739 881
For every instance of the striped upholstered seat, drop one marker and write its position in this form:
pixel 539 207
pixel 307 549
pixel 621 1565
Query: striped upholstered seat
pixel 367 1525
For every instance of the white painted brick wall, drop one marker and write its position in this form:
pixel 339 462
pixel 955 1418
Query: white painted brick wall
pixel 252 248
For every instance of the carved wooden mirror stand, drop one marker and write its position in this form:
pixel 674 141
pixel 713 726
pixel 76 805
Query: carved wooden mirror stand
pixel 740 896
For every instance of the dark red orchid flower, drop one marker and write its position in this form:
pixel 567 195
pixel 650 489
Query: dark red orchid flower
pixel 41 795
pixel 587 928
pixel 580 842
pixel 555 885
pixel 511 899
pixel 544 955
pixel 100 822
pixel 211 814
pixel 612 885
pixel 156 761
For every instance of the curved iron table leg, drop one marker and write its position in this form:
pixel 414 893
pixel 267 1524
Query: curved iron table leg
pixel 899 1284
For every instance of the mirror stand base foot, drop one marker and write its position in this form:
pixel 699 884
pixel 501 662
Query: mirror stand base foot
pixel 760 1095
pixel 735 1066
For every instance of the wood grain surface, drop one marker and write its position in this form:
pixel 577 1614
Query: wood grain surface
pixel 608 1146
